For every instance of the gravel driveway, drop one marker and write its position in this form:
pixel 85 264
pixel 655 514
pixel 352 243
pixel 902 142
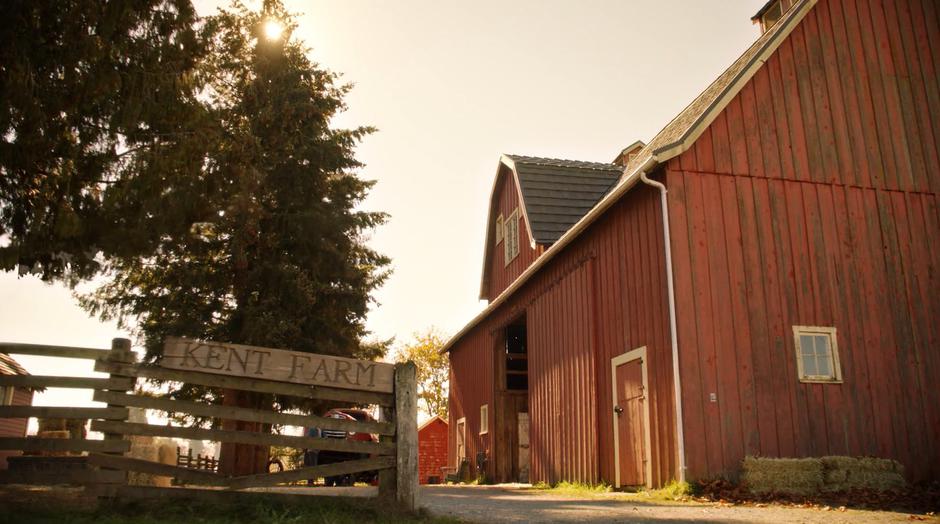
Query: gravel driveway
pixel 513 504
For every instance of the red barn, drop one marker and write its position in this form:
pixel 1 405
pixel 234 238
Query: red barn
pixel 432 450
pixel 762 278
pixel 12 396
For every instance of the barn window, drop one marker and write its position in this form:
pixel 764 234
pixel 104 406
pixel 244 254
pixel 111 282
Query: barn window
pixel 499 229
pixel 6 396
pixel 484 419
pixel 817 354
pixel 511 239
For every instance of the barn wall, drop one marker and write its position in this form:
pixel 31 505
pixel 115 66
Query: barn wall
pixel 604 296
pixel 15 427
pixel 471 386
pixel 812 200
pixel 507 199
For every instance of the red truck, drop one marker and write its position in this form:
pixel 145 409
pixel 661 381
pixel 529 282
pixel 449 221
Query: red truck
pixel 319 457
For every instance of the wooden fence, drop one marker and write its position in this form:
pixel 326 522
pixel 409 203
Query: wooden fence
pixel 394 455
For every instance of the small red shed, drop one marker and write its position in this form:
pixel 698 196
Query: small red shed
pixel 12 396
pixel 432 450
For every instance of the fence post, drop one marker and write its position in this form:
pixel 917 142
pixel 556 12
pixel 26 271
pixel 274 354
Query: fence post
pixel 406 434
pixel 120 352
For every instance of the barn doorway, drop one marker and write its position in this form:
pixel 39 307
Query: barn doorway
pixel 630 412
pixel 510 445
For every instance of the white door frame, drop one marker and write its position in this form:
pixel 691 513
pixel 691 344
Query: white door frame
pixel 636 354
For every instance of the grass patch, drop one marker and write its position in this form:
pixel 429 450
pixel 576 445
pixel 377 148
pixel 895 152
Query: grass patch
pixel 320 510
pixel 673 491
pixel 575 489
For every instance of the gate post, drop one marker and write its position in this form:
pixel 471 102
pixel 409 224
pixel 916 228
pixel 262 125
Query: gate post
pixel 406 433
pixel 120 353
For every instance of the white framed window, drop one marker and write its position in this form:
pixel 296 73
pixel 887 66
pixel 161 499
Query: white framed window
pixel 484 419
pixel 499 229
pixel 6 396
pixel 817 354
pixel 511 239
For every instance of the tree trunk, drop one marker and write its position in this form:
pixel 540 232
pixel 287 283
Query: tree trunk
pixel 242 459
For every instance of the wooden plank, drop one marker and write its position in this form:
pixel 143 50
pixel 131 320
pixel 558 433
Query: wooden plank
pixel 312 472
pixel 406 409
pixel 277 364
pixel 219 496
pixel 187 475
pixel 243 437
pixel 42 381
pixel 63 444
pixel 248 384
pixel 62 412
pixel 43 350
pixel 68 476
pixel 246 414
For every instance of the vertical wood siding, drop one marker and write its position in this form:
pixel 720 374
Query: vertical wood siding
pixel 604 296
pixel 471 386
pixel 15 427
pixel 507 200
pixel 812 200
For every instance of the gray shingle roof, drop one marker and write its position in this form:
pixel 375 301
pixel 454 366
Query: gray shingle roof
pixel 557 193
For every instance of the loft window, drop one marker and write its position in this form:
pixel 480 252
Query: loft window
pixel 484 419
pixel 817 354
pixel 517 359
pixel 499 229
pixel 511 236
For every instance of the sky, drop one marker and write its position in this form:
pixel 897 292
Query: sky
pixel 451 86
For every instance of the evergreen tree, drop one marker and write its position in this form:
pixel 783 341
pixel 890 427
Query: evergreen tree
pixel 277 257
pixel 98 115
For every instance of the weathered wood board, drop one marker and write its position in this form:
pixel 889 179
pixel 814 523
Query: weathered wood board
pixel 277 364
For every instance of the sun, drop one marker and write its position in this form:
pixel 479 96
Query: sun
pixel 273 29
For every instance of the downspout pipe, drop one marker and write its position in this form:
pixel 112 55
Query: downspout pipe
pixel 680 437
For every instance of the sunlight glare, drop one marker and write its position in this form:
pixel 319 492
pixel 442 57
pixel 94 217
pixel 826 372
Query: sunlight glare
pixel 273 29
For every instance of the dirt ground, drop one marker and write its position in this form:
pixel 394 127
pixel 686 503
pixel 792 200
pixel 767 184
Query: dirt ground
pixel 512 504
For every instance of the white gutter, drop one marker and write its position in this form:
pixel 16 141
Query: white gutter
pixel 677 391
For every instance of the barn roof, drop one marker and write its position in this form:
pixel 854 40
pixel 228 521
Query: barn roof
pixel 674 139
pixel 8 366
pixel 429 421
pixel 557 193
pixel 687 126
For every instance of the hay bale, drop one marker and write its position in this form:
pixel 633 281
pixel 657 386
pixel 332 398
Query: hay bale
pixel 772 475
pixel 849 473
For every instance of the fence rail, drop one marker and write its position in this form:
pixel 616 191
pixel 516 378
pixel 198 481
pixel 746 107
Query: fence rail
pixel 393 455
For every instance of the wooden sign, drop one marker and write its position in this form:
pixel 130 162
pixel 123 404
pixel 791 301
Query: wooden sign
pixel 277 364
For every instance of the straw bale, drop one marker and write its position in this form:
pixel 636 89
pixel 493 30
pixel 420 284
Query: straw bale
pixel 772 475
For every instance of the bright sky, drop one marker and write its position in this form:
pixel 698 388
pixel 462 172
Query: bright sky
pixel 451 86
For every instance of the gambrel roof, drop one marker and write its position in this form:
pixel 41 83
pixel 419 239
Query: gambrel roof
pixel 557 193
